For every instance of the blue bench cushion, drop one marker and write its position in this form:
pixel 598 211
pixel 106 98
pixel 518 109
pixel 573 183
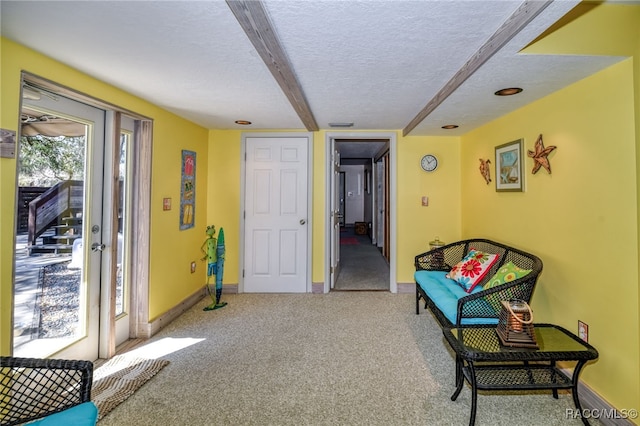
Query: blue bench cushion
pixel 79 415
pixel 445 292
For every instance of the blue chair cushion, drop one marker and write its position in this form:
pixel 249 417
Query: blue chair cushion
pixel 79 415
pixel 445 292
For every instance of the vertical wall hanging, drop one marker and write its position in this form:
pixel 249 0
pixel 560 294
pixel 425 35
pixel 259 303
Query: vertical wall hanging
pixel 485 170
pixel 188 190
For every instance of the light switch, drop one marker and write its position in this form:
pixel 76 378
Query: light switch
pixel 425 201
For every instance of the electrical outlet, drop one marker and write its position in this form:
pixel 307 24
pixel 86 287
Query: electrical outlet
pixel 193 267
pixel 583 331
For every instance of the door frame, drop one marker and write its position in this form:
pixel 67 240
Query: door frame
pixel 330 138
pixel 141 218
pixel 243 182
pixel 337 178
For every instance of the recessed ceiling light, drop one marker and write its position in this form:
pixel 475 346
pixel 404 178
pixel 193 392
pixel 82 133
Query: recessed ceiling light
pixel 450 126
pixel 340 124
pixel 508 91
pixel 243 122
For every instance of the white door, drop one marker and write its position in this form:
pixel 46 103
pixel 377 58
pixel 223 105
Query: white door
pixel 78 213
pixel 336 215
pixel 276 215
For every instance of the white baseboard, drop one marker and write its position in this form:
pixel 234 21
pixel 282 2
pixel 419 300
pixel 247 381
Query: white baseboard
pixel 230 289
pixel 405 288
pixel 163 320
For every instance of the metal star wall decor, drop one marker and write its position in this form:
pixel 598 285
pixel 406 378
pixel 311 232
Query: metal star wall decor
pixel 540 156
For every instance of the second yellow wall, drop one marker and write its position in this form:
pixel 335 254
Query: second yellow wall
pixel 581 220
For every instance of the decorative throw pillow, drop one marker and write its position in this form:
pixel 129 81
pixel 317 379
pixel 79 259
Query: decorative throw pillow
pixel 472 269
pixel 509 272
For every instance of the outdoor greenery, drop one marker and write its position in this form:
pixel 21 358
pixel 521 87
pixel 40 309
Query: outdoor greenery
pixel 47 160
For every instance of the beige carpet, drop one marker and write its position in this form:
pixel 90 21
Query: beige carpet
pixel 347 358
pixel 117 379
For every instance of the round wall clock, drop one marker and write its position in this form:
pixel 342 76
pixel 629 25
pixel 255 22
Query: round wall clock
pixel 429 163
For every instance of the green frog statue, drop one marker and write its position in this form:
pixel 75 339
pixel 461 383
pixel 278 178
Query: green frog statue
pixel 213 249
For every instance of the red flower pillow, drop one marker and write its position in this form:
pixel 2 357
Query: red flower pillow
pixel 472 269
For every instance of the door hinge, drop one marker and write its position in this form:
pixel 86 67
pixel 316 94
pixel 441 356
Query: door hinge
pixel 243 273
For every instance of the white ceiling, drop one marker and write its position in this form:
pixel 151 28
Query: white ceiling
pixel 373 63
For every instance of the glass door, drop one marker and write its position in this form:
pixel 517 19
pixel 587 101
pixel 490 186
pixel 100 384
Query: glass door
pixel 115 315
pixel 124 202
pixel 58 258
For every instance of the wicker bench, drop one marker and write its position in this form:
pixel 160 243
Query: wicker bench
pixel 456 307
pixel 55 389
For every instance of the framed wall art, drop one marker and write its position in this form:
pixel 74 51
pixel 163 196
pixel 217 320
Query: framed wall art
pixel 509 175
pixel 188 190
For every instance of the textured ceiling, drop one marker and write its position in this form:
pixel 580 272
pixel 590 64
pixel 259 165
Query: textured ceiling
pixel 373 63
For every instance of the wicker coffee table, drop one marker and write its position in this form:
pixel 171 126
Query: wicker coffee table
pixel 488 365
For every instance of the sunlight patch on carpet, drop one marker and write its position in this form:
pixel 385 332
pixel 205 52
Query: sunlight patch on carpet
pixel 163 347
pixel 117 379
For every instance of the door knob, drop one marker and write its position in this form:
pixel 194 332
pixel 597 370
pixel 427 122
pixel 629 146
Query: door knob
pixel 302 221
pixel 95 247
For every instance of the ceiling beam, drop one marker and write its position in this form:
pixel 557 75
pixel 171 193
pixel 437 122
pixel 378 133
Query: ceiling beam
pixel 253 18
pixel 527 11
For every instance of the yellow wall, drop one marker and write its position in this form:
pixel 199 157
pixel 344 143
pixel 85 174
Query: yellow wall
pixel 581 220
pixel 417 225
pixel 592 28
pixel 223 197
pixel 171 249
pixel 609 29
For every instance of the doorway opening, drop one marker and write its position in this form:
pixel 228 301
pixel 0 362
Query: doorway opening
pixel 361 212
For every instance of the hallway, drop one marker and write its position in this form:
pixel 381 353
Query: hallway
pixel 362 266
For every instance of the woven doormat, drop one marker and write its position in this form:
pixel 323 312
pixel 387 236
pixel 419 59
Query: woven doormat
pixel 117 379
